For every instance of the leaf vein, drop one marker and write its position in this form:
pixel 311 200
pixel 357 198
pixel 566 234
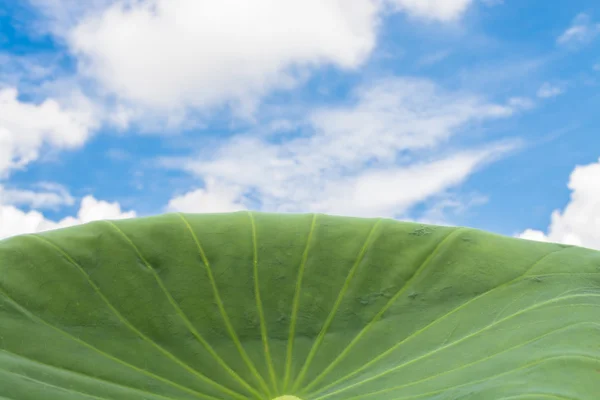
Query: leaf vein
pixel 296 302
pixel 471 335
pixel 491 356
pixel 392 300
pixel 60 388
pixel 526 366
pixel 183 316
pixel 129 325
pixel 91 377
pixel 107 355
pixel 222 311
pixel 336 305
pixel 434 322
pixel 261 314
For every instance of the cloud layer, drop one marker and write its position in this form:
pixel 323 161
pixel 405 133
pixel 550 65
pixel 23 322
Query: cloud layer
pixel 170 55
pixel 140 60
pixel 358 159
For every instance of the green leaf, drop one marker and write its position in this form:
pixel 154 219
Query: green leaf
pixel 264 306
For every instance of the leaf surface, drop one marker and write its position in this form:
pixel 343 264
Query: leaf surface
pixel 264 306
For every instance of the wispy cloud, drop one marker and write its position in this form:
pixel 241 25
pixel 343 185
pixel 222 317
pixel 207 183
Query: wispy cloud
pixel 357 159
pixel 548 90
pixel 582 31
pixel 48 195
pixel 522 103
pixel 30 68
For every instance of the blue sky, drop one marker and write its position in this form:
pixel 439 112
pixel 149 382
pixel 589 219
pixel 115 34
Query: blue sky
pixel 479 113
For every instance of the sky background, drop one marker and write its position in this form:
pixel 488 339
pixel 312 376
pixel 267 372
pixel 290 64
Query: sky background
pixel 479 113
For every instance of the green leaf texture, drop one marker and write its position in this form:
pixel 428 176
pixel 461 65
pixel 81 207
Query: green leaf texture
pixel 260 306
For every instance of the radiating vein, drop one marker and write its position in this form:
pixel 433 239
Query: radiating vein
pixel 336 305
pixel 466 337
pixel 261 314
pixel 420 331
pixel 128 324
pixel 90 377
pixel 224 315
pixel 377 316
pixel 296 302
pixel 487 358
pixel 60 388
pixel 34 317
pixel 529 365
pixel 184 317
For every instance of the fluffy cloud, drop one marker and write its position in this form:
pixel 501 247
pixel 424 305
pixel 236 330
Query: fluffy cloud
pixel 185 53
pixel 14 221
pixel 579 223
pixel 214 198
pixel 168 55
pixel 357 159
pixel 581 31
pixel 26 127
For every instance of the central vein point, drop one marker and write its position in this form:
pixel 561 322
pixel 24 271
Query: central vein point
pixel 286 397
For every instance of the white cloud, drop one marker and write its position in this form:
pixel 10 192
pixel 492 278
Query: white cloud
pixel 579 223
pixel 357 159
pixel 50 196
pixel 581 31
pixel 14 221
pixel 214 198
pixel 26 127
pixel 442 10
pixel 92 209
pixel 547 90
pixel 171 54
pixel 392 191
pixel 174 55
